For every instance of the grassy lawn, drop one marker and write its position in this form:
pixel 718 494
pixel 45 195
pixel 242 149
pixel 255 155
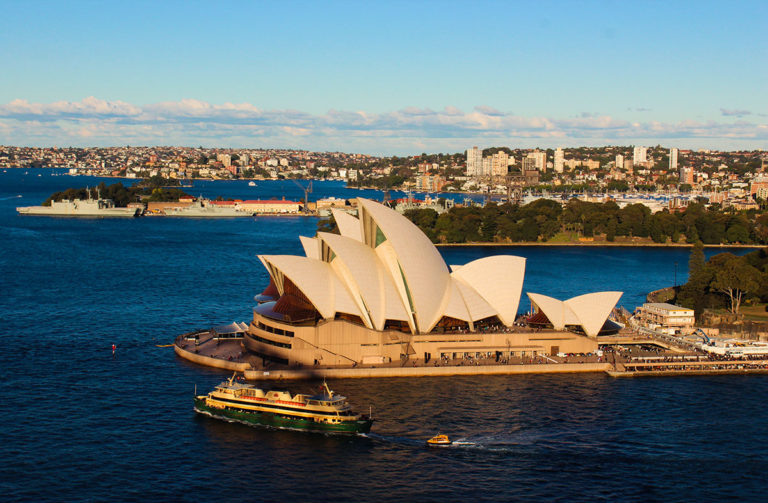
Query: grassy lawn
pixel 755 313
pixel 564 237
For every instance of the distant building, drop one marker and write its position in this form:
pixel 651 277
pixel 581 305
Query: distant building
pixel 673 159
pixel 591 164
pixel 224 159
pixel 686 175
pixel 619 161
pixel 666 318
pixel 640 155
pixel 429 183
pixel 269 206
pixel 758 188
pixel 499 162
pixel 528 164
pixel 531 176
pixel 539 158
pixel 559 160
pixel 487 166
pixel 474 161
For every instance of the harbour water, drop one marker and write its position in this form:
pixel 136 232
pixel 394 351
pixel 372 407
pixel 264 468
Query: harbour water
pixel 80 424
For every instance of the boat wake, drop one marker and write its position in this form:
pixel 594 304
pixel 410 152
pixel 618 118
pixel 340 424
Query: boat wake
pixel 485 443
pixel 10 197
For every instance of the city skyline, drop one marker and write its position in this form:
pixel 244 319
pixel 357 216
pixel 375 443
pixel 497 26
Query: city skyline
pixel 385 79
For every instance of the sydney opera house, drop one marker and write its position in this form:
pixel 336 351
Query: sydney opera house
pixel 380 292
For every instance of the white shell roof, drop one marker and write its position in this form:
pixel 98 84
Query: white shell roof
pixel 590 311
pixel 368 280
pixel 477 306
pixel 311 247
pixel 316 280
pixel 422 266
pixel 349 226
pixel 499 280
pixel 557 311
pixel 396 273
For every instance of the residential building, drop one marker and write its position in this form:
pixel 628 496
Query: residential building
pixel 640 155
pixel 474 162
pixel 686 175
pixel 429 183
pixel 758 188
pixel 540 159
pixel 487 166
pixel 673 159
pixel 559 160
pixel 499 162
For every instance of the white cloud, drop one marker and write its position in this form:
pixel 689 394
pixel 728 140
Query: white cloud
pixel 93 121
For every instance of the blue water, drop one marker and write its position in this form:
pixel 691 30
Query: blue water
pixel 78 424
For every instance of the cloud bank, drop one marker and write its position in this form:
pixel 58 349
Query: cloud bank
pixel 97 122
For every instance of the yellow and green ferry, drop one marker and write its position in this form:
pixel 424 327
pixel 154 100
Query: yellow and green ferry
pixel 325 412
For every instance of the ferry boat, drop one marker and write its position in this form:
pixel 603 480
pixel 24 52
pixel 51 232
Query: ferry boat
pixel 325 412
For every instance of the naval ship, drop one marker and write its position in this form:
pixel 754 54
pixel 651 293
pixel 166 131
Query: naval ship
pixel 80 208
pixel 202 208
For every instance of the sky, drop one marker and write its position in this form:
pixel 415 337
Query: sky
pixel 384 78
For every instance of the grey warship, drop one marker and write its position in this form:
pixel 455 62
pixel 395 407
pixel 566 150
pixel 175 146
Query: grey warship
pixel 202 208
pixel 80 208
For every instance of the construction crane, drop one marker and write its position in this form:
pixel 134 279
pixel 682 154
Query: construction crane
pixel 307 191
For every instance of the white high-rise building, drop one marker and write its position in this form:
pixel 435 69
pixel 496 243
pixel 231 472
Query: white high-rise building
pixel 619 161
pixel 559 160
pixel 540 158
pixel 640 155
pixel 673 158
pixel 474 162
pixel 499 162
pixel 487 166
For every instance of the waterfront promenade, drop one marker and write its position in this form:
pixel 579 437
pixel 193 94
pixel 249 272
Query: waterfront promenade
pixel 628 355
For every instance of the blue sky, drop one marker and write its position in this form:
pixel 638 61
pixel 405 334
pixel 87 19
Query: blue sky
pixel 386 77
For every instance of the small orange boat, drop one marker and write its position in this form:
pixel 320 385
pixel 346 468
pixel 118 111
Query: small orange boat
pixel 439 440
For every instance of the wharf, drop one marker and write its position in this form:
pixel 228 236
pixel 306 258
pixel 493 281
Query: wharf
pixel 230 355
pixel 425 371
pixel 677 368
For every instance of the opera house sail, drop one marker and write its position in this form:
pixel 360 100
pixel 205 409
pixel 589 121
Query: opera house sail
pixel 380 292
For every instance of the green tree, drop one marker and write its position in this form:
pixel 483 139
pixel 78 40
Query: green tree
pixel 529 230
pixel 696 261
pixel 734 277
